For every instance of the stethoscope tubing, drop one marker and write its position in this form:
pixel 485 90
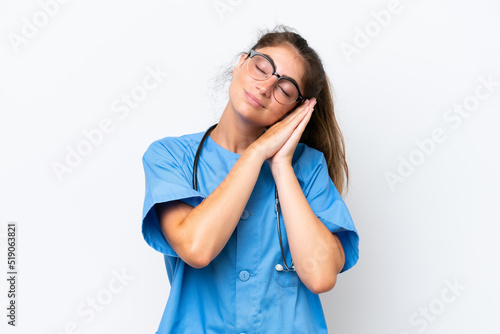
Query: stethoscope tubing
pixel 195 187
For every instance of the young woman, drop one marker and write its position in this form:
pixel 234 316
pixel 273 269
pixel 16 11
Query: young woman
pixel 249 214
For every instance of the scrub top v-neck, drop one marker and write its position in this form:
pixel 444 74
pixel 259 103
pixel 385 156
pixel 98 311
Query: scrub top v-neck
pixel 240 291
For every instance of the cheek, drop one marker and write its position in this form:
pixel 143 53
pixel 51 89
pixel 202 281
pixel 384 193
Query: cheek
pixel 235 92
pixel 283 111
pixel 278 113
pixel 273 114
pixel 236 87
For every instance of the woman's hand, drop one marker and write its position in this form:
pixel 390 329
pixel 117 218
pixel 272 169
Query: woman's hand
pixel 284 155
pixel 278 143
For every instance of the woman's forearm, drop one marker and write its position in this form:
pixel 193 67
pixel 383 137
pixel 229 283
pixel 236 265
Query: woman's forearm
pixel 209 225
pixel 317 253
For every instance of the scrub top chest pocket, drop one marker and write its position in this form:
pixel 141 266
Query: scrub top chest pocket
pixel 285 278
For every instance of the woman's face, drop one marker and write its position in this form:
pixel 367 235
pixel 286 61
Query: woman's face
pixel 253 99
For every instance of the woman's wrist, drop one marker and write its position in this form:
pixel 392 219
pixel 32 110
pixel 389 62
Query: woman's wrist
pixel 256 152
pixel 279 168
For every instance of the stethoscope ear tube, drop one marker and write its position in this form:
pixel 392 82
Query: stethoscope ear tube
pixel 197 156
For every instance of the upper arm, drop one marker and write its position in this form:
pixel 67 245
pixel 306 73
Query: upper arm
pixel 328 205
pixel 167 185
pixel 171 216
pixel 341 252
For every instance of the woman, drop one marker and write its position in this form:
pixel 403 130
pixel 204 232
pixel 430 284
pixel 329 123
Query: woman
pixel 231 266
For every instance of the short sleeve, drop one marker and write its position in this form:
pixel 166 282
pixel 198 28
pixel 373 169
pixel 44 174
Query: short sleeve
pixel 328 205
pixel 166 180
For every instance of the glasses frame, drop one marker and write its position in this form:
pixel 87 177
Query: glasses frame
pixel 253 53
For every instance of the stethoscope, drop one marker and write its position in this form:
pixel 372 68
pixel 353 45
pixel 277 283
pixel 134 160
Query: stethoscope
pixel 278 267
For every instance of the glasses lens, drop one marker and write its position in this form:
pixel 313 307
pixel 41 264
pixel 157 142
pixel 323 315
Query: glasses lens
pixel 259 68
pixel 285 91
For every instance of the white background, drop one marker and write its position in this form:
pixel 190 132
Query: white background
pixel 74 234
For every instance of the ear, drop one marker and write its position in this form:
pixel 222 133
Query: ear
pixel 238 66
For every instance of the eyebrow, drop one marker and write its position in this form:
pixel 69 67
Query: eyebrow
pixel 283 75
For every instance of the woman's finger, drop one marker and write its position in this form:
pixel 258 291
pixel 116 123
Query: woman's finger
pixel 289 124
pixel 279 133
pixel 301 114
pixel 297 132
pixel 302 125
pixel 294 114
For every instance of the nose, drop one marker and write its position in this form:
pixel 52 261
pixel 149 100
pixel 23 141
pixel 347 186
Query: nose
pixel 266 87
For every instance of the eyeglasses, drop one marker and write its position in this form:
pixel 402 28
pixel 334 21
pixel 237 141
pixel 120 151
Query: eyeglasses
pixel 260 67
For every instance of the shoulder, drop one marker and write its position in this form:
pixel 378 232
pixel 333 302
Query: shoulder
pixel 172 147
pixel 311 170
pixel 308 159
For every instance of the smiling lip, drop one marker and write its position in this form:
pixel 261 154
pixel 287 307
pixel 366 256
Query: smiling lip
pixel 253 100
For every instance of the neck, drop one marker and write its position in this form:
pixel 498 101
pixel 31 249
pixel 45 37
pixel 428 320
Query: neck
pixel 235 133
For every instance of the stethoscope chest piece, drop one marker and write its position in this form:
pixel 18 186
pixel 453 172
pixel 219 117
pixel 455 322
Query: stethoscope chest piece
pixel 279 267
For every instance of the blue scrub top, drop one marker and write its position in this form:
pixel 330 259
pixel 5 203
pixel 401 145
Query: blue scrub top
pixel 240 291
